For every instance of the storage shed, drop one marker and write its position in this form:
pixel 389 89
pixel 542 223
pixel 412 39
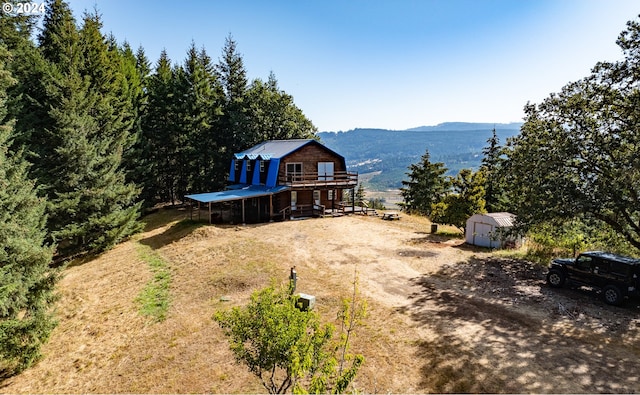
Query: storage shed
pixel 490 230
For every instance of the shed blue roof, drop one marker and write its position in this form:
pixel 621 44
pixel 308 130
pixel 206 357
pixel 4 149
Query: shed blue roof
pixel 237 193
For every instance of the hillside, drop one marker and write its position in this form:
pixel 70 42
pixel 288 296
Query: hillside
pixel 443 317
pixel 459 145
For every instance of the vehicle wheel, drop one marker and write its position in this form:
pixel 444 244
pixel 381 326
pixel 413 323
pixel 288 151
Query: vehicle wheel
pixel 612 295
pixel 555 278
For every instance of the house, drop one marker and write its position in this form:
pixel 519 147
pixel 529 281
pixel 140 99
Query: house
pixel 491 230
pixel 280 179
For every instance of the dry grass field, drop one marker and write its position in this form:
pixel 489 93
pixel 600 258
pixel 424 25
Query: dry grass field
pixel 443 317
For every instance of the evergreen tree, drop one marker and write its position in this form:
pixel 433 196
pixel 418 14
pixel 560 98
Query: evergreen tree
pixel 16 29
pixel 492 168
pixel 58 34
pixel 201 109
pixel 466 199
pixel 133 89
pixel 215 153
pixel 34 71
pixel 425 187
pixel 233 77
pixel 26 281
pixel 91 207
pixel 360 195
pixel 156 140
pixel 136 160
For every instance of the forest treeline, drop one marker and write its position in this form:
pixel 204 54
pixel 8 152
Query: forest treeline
pixel 91 133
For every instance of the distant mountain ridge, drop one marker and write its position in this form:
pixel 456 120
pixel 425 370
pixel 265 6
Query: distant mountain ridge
pixel 388 153
pixel 466 126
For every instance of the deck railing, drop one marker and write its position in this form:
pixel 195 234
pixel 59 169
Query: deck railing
pixel 344 179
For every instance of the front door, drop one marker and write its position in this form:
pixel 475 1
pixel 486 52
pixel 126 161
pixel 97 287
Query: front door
pixel 316 198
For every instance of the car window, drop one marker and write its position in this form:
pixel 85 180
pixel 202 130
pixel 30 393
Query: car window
pixel 620 268
pixel 583 262
pixel 603 266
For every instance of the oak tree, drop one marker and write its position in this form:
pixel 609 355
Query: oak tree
pixel 577 153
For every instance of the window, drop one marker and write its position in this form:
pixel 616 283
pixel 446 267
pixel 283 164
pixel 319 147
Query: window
pixel 584 262
pixel 602 266
pixel 294 171
pixel 620 268
pixel 330 194
pixel 236 165
pixel 325 171
pixel 248 165
pixel 261 166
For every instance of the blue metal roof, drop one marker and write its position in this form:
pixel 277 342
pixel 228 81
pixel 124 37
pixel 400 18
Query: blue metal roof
pixel 237 193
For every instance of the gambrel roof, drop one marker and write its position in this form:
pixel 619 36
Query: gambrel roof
pixel 277 149
pixel 505 220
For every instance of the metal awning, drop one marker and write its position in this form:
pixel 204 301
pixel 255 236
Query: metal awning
pixel 238 192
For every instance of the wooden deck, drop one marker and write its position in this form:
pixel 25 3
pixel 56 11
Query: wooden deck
pixel 340 180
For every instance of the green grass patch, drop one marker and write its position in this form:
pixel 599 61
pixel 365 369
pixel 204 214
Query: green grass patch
pixel 450 234
pixel 154 299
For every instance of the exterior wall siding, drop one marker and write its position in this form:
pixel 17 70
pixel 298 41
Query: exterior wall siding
pixel 309 156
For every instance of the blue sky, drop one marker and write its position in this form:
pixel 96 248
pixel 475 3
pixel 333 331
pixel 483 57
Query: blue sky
pixel 393 64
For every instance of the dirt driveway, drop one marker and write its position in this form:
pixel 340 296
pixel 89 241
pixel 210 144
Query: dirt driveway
pixel 478 322
pixel 443 317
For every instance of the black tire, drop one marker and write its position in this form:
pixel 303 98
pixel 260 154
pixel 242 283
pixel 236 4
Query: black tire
pixel 612 295
pixel 555 278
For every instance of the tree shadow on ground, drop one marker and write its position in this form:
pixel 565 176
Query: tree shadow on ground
pixel 498 328
pixel 172 234
pixel 445 241
pixel 186 227
pixel 160 217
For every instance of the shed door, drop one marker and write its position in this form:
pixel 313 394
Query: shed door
pixel 482 233
pixel 325 171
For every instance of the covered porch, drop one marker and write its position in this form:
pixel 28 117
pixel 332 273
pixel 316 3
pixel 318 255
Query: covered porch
pixel 247 203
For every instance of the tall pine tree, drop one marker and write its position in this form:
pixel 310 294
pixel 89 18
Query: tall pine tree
pixel 202 109
pixel 426 186
pixel 465 199
pixel 492 168
pixel 91 206
pixel 156 143
pixel 26 281
pixel 233 77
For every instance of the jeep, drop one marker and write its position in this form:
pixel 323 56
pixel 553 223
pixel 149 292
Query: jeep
pixel 617 276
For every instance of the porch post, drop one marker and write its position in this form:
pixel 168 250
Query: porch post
pixel 353 201
pixel 243 221
pixel 209 213
pixel 270 208
pixel 333 200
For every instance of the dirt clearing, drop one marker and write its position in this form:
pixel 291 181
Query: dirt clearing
pixel 443 317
